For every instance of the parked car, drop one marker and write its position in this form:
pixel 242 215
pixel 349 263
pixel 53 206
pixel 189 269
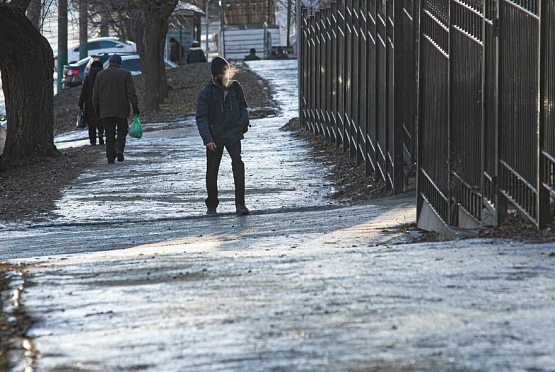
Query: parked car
pixel 132 63
pixel 74 73
pixel 100 45
pixel 102 57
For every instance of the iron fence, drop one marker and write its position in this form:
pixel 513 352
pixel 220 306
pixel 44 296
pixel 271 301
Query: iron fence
pixel 355 89
pixel 464 88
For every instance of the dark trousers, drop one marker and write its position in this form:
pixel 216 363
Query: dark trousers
pixel 213 160
pixel 115 145
pixel 93 127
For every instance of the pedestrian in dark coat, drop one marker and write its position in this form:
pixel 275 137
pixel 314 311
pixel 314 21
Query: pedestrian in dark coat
pixel 112 94
pixel 176 51
pixel 222 119
pixel 93 121
pixel 196 54
pixel 252 56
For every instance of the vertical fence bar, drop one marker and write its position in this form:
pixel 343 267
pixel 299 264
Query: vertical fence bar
pixel 371 138
pixel 300 62
pixel 317 71
pixel 361 138
pixel 314 74
pixel 341 73
pixel 449 119
pixel 335 62
pixel 329 73
pixel 500 199
pixel 399 75
pixel 419 110
pixel 348 74
pixel 543 200
pixel 310 78
pixel 355 108
pixel 323 72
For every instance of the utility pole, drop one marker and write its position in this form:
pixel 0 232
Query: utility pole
pixel 289 9
pixel 207 6
pixel 34 12
pixel 83 29
pixel 62 41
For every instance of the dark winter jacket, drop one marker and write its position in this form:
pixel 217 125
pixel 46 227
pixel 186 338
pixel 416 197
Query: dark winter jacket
pixel 86 98
pixel 176 52
pixel 196 55
pixel 113 92
pixel 220 120
pixel 251 57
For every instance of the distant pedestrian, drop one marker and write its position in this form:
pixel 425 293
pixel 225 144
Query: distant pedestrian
pixel 176 51
pixel 280 54
pixel 252 56
pixel 93 121
pixel 112 94
pixel 196 54
pixel 222 119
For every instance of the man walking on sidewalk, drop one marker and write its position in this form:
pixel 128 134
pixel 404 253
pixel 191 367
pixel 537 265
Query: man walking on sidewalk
pixel 222 119
pixel 112 94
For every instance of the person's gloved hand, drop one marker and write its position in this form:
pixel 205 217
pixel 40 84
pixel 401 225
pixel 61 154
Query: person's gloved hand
pixel 136 111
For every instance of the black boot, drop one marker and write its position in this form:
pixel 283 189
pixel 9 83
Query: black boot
pixel 242 210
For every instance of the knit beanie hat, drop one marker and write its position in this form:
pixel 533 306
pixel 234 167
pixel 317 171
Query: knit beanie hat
pixel 96 64
pixel 116 59
pixel 195 44
pixel 218 65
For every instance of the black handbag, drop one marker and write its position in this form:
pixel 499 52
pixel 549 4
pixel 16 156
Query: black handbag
pixel 81 120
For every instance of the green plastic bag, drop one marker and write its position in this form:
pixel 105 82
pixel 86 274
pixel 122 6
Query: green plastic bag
pixel 136 131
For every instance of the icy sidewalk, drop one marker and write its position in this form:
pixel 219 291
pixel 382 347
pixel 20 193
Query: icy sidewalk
pixel 298 291
pixel 134 277
pixel 163 174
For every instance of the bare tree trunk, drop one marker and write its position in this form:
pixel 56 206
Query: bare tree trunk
pixel 156 22
pixel 34 12
pixel 83 29
pixel 155 77
pixel 104 24
pixel 27 83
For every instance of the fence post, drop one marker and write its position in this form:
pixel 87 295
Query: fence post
pixel 317 74
pixel 543 199
pixel 334 61
pixel 419 106
pixel 500 199
pixel 363 116
pixel 376 88
pixel 341 75
pixel 450 204
pixel 325 64
pixel 348 75
pixel 301 56
pixel 398 77
pixel 484 107
pixel 312 73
